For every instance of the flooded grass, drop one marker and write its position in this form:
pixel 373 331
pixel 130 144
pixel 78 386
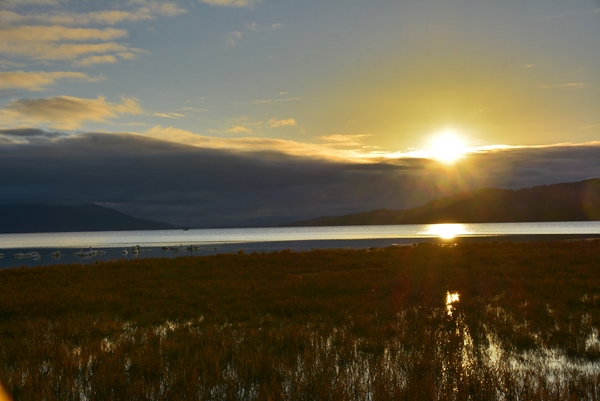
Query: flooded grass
pixel 487 321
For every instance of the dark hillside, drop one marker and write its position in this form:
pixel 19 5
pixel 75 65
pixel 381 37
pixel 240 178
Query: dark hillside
pixel 63 218
pixel 577 201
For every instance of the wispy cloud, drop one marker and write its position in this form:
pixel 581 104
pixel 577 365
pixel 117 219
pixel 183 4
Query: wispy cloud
pixel 233 38
pixel 38 80
pixel 251 26
pixel 14 3
pixel 274 122
pixel 51 36
pixel 106 59
pixel 56 42
pixel 231 3
pixel 65 112
pixel 254 27
pixel 273 101
pixel 238 129
pixel 56 33
pixel 6 64
pixel 168 115
pixel 344 140
pixel 149 11
pixel 573 85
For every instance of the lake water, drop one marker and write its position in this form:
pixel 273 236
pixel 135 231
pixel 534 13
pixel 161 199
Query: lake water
pixel 210 241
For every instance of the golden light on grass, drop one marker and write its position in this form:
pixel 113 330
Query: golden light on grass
pixel 3 395
pixel 447 147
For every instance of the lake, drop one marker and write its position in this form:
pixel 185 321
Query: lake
pixel 211 241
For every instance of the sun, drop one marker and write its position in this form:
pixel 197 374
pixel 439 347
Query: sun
pixel 446 147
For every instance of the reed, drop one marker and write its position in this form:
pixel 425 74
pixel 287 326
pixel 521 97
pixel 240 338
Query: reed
pixel 325 324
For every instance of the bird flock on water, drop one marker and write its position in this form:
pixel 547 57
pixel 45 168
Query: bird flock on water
pixel 135 250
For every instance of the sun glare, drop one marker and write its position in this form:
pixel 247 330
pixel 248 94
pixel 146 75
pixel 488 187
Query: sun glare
pixel 446 147
pixel 445 231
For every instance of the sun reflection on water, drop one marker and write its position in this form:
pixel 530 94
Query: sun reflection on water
pixel 451 297
pixel 445 231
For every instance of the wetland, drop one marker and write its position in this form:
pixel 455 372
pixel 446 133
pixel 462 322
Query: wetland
pixel 476 321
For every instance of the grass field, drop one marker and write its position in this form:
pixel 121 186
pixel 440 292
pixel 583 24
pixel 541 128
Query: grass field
pixel 504 321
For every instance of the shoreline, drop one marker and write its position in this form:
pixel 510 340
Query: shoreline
pixel 115 254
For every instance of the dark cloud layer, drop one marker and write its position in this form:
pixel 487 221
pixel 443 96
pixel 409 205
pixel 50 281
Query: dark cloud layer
pixel 27 133
pixel 199 187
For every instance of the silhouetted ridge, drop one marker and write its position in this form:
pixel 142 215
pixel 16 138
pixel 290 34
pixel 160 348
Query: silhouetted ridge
pixel 577 201
pixel 63 218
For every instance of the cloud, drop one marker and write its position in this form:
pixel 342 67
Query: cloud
pixel 233 38
pixel 168 115
pixel 149 11
pixel 574 85
pixel 48 43
pixel 254 27
pixel 14 3
pixel 36 81
pixel 274 122
pixel 65 112
pixel 204 186
pixel 273 101
pixel 327 151
pixel 106 59
pixel 344 140
pixel 6 64
pixel 238 129
pixel 49 36
pixel 251 26
pixel 15 136
pixel 36 34
pixel 230 3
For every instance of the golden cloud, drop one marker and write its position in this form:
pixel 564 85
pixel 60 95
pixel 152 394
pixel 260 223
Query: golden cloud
pixel 254 144
pixel 56 33
pixel 343 140
pixel 105 59
pixel 149 11
pixel 65 112
pixel 67 51
pixel 316 150
pixel 274 122
pixel 168 115
pixel 36 81
pixel 238 129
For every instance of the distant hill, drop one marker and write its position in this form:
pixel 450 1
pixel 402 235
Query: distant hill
pixel 62 218
pixel 577 201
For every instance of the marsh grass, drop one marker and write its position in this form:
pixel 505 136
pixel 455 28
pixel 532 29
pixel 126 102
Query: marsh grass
pixel 324 324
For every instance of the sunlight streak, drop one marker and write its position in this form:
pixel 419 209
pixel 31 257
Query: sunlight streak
pixel 445 231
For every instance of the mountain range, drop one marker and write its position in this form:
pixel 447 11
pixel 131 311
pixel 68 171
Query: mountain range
pixel 577 201
pixel 31 218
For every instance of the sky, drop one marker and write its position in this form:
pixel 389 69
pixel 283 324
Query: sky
pixel 235 112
